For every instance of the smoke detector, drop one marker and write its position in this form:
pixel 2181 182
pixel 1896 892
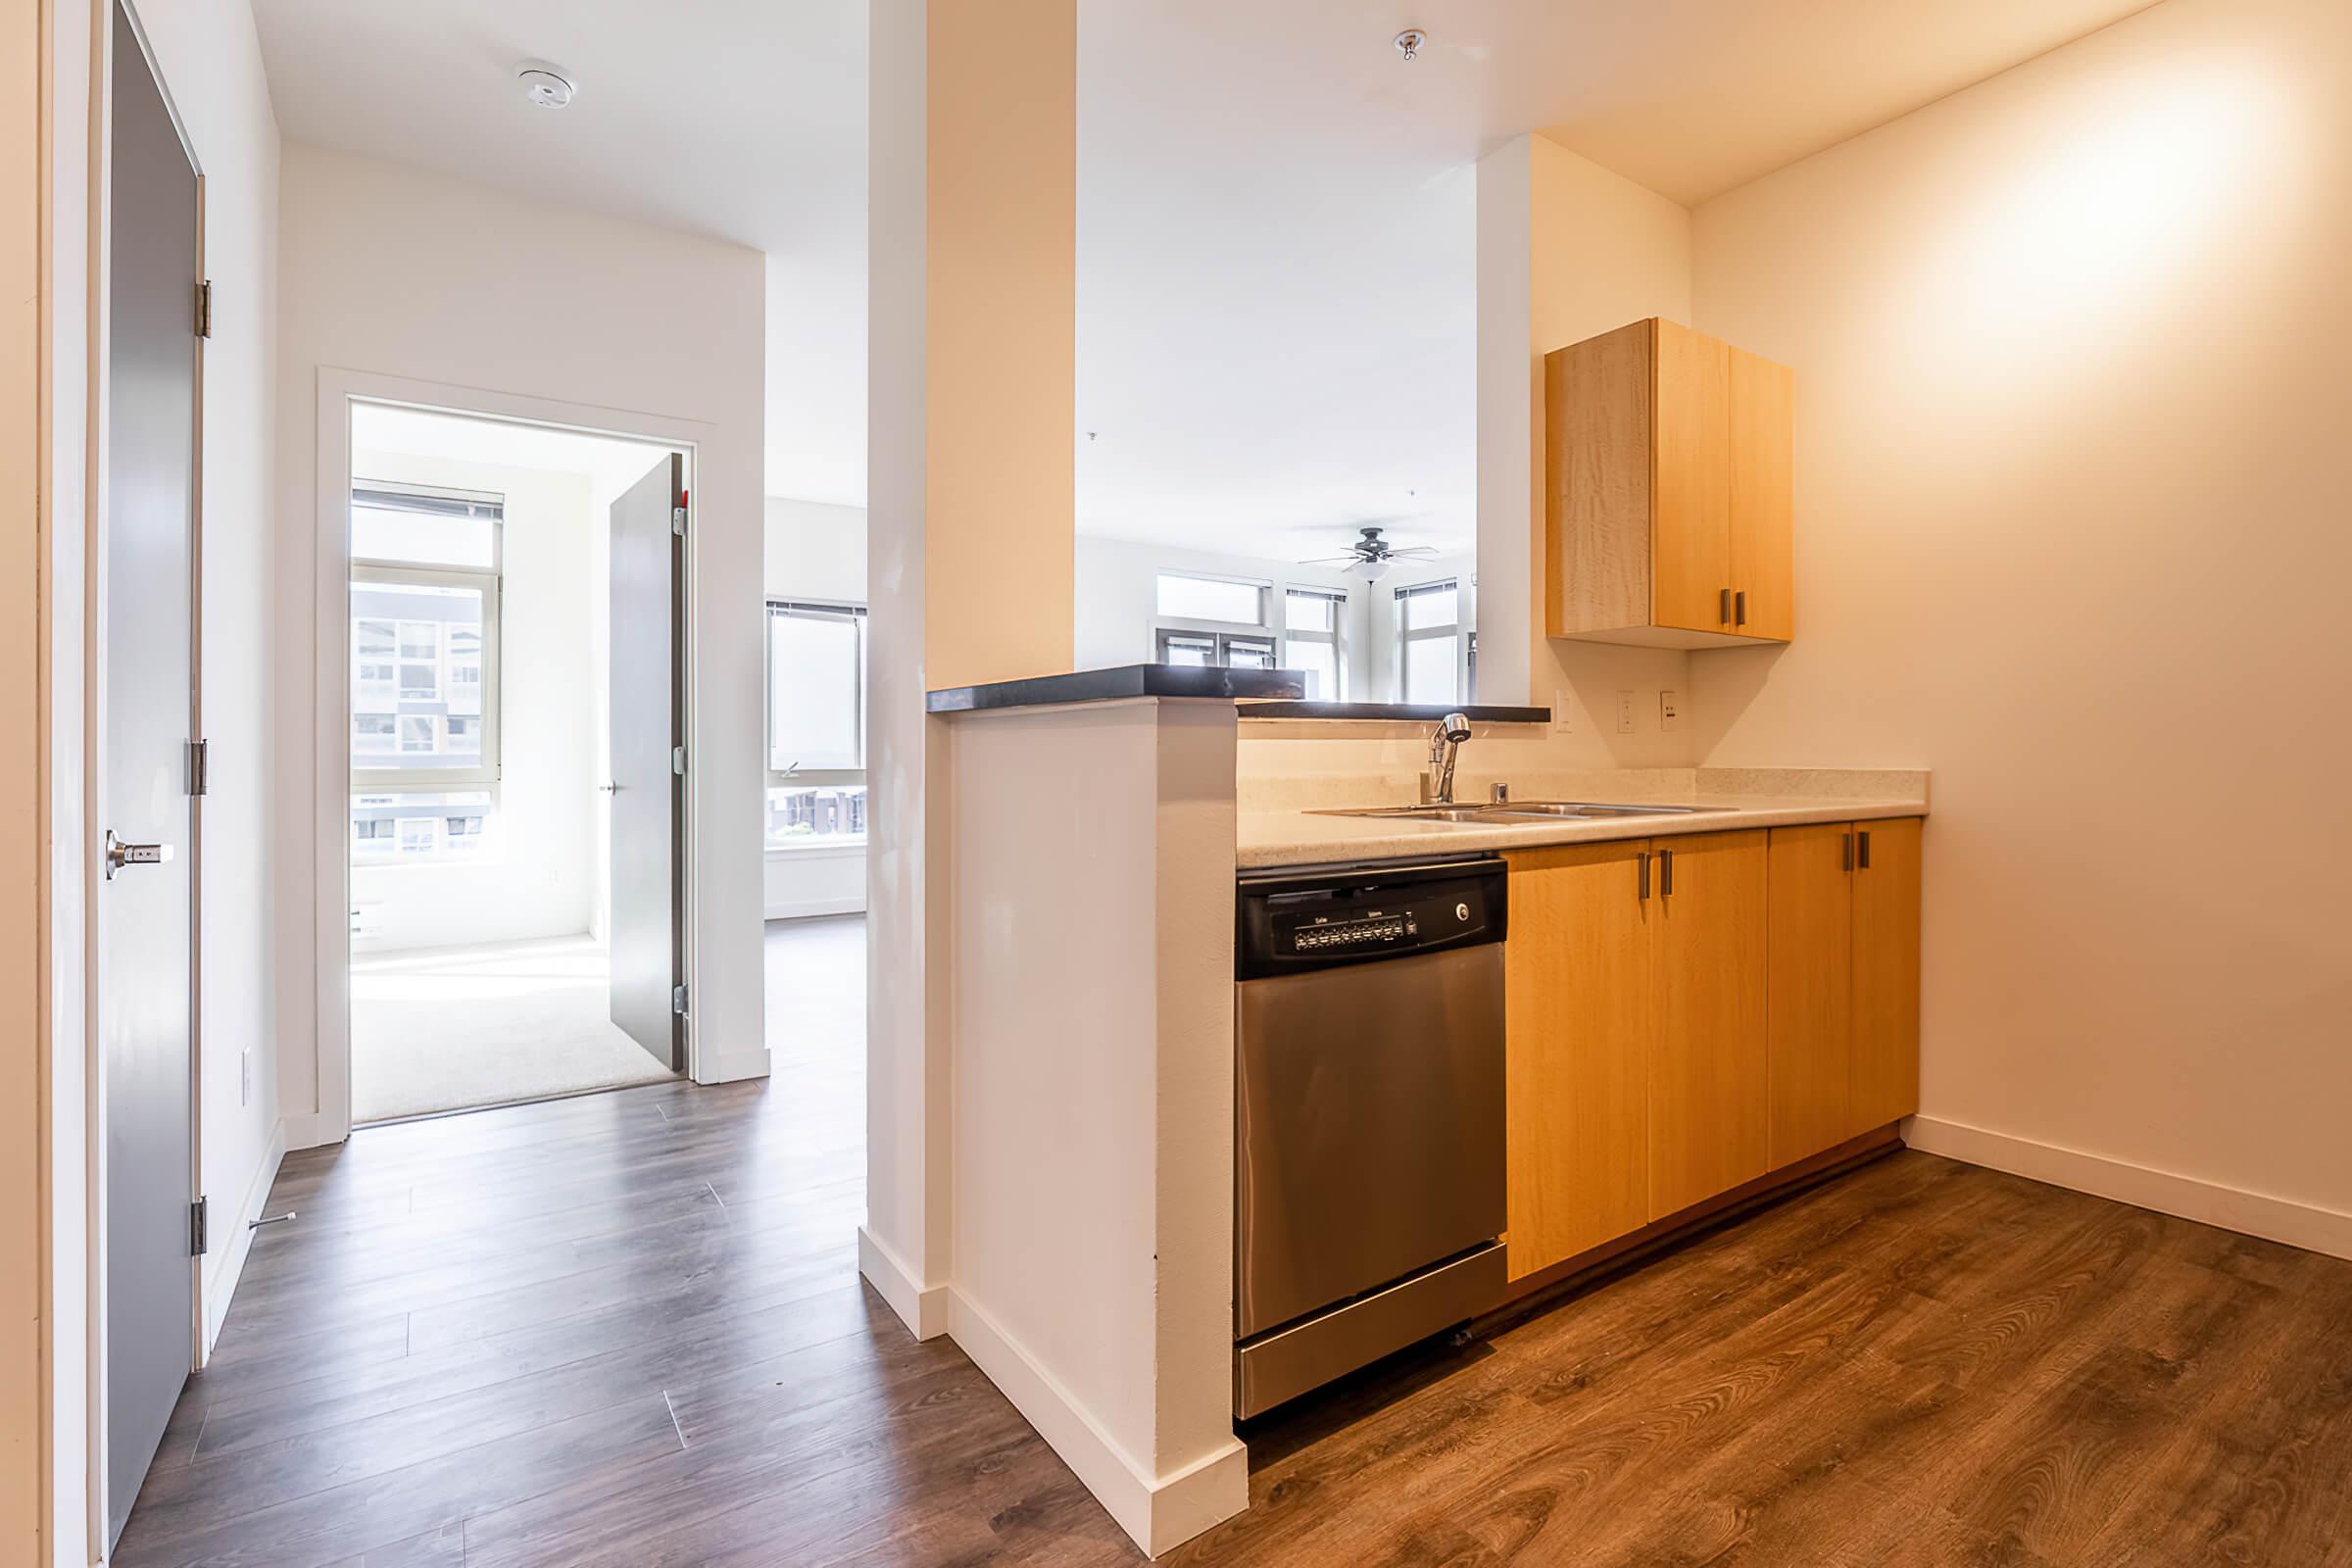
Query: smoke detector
pixel 545 85
pixel 1409 42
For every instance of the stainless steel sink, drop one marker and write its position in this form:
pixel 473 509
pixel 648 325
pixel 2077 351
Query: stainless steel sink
pixel 1509 812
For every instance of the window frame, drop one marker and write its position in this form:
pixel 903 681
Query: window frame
pixel 1453 631
pixel 490 583
pixel 1334 639
pixel 847 609
pixel 1263 586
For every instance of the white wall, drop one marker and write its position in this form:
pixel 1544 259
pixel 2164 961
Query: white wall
pixel 211 61
pixel 1093 1157
pixel 2071 429
pixel 540 877
pixel 814 551
pixel 550 303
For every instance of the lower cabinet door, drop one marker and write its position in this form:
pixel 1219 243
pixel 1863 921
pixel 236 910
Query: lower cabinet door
pixel 1577 1008
pixel 1812 985
pixel 1885 1077
pixel 1707 1056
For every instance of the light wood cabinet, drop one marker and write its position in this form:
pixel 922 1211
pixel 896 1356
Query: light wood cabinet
pixel 1844 982
pixel 1707 1051
pixel 1811 987
pixel 1687 1015
pixel 1667 472
pixel 1577 1006
pixel 1885 1006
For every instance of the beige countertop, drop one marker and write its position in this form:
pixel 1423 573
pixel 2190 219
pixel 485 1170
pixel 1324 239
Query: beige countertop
pixel 1310 838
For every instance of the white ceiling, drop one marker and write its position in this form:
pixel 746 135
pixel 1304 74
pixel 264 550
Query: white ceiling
pixel 744 120
pixel 1276 249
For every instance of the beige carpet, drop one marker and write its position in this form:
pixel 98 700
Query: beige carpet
pixel 460 1027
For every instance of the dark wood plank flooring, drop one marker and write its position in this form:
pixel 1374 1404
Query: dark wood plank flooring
pixel 627 1330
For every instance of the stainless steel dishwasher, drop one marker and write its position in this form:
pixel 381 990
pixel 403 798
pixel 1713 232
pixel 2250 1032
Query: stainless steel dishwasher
pixel 1368 1119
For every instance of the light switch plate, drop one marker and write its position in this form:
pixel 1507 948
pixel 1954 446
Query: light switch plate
pixel 1563 711
pixel 1625 712
pixel 1668 709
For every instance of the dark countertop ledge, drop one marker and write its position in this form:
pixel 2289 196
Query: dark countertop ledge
pixel 1257 693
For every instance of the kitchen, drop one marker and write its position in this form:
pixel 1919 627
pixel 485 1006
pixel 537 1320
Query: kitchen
pixel 1789 506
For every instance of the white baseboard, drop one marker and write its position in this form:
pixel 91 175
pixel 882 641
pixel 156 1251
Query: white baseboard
pixel 922 1309
pixel 2277 1219
pixel 221 1286
pixel 732 1067
pixel 803 908
pixel 306 1129
pixel 1160 1512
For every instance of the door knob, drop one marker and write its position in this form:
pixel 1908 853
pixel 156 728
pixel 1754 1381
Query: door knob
pixel 608 788
pixel 119 855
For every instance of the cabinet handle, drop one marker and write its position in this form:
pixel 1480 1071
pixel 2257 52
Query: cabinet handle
pixel 1845 851
pixel 1642 873
pixel 1723 606
pixel 1864 861
pixel 1740 607
pixel 1665 873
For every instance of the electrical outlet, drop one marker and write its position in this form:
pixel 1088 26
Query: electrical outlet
pixel 1668 709
pixel 1625 712
pixel 1564 710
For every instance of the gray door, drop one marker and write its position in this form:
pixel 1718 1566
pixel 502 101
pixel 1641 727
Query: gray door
pixel 147 704
pixel 648 578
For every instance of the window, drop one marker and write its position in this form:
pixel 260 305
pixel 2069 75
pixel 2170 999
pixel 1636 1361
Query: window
pixel 1184 597
pixel 815 688
pixel 1228 650
pixel 425 599
pixel 1310 639
pixel 817 818
pixel 1429 665
pixel 409 826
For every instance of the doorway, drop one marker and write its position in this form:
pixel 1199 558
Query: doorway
pixel 515 829
pixel 148 771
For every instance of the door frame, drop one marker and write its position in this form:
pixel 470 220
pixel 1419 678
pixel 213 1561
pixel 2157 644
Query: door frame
pixel 95 622
pixel 338 390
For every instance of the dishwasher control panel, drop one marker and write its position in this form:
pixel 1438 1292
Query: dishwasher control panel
pixel 1297 920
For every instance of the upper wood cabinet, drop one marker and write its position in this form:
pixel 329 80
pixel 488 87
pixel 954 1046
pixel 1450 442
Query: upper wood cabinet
pixel 1667 463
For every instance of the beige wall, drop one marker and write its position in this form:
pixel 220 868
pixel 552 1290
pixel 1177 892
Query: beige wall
pixel 23 915
pixel 1001 310
pixel 970 394
pixel 2072 426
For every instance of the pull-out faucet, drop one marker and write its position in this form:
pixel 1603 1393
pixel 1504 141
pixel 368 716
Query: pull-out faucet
pixel 1445 745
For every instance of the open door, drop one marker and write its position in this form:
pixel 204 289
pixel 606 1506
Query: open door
pixel 146 696
pixel 647 577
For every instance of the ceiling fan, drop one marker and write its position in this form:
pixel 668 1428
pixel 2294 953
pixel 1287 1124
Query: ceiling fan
pixel 1371 556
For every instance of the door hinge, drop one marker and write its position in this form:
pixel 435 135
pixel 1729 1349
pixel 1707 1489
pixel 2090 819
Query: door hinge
pixel 677 521
pixel 677 1001
pixel 200 768
pixel 204 308
pixel 199 1225
pixel 677 760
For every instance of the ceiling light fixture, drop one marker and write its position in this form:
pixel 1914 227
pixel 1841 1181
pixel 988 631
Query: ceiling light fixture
pixel 1409 42
pixel 545 85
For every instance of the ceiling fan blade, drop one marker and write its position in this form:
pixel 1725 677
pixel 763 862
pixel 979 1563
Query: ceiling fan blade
pixel 1413 553
pixel 1332 560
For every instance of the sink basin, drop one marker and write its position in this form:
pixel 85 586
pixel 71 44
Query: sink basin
pixel 1509 812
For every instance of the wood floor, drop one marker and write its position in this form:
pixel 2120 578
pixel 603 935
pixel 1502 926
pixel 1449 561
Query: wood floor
pixel 627 1330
